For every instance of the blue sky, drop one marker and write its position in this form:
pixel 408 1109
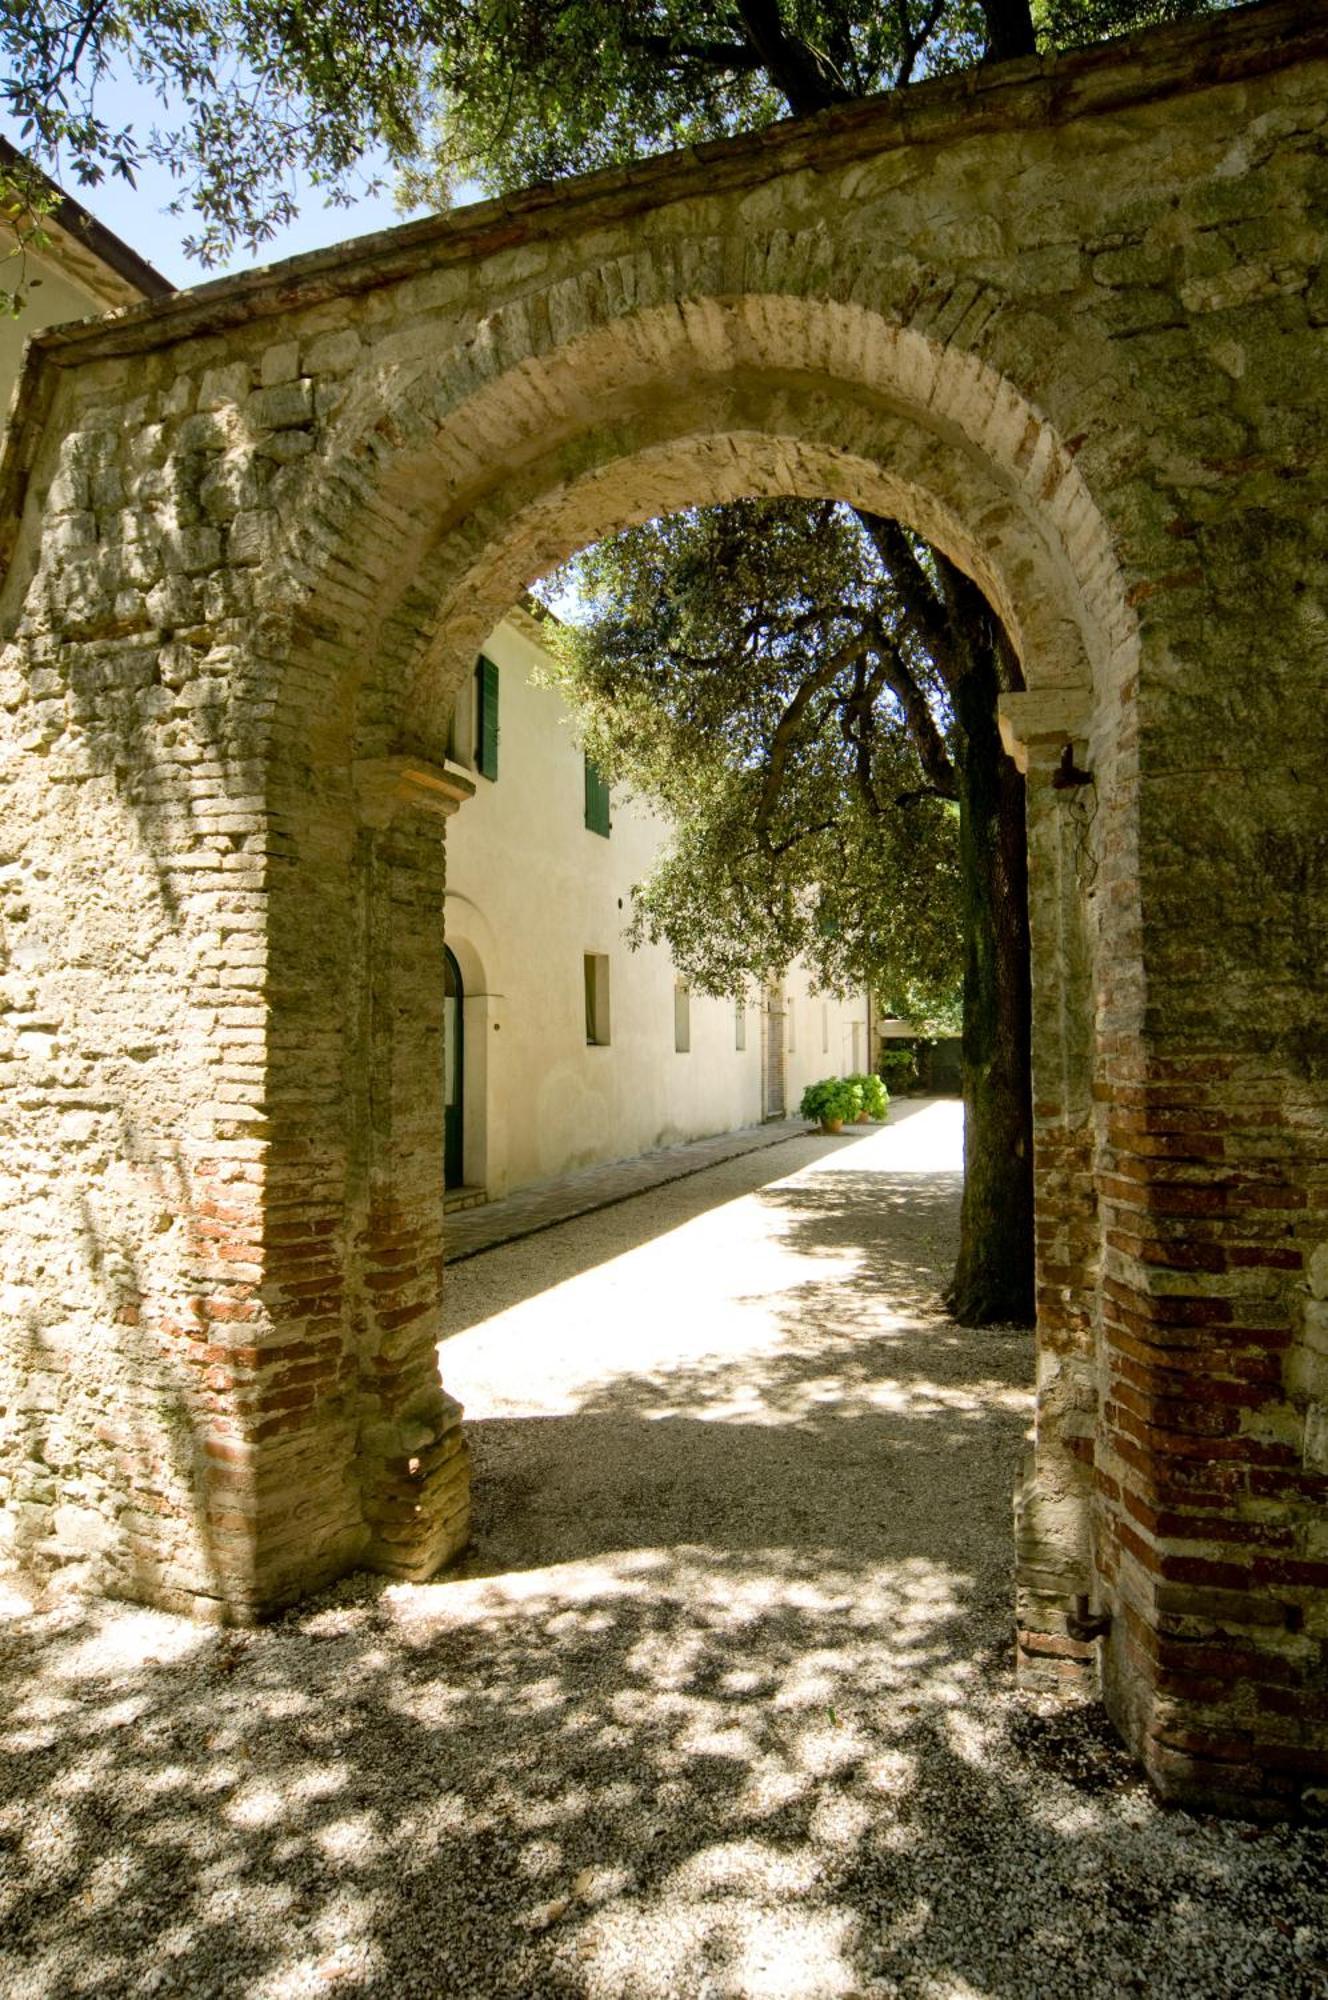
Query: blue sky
pixel 138 214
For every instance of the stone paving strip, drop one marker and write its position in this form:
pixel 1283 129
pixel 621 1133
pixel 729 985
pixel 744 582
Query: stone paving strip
pixel 471 1230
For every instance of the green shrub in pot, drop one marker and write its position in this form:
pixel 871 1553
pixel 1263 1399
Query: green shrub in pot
pixel 830 1102
pixel 874 1099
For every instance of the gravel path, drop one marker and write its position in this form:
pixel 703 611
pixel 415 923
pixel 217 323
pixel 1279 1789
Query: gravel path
pixel 720 1706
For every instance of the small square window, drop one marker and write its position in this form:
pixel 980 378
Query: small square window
pixel 597 999
pixel 682 1017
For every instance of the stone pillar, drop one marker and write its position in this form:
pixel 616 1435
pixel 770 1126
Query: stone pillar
pixel 413 1464
pixel 1054 1498
pixel 334 1444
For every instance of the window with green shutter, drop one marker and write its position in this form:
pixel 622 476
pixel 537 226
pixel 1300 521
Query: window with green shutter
pixel 597 801
pixel 486 717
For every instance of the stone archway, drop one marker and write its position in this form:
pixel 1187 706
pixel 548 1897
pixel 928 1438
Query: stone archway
pixel 1072 333
pixel 885 419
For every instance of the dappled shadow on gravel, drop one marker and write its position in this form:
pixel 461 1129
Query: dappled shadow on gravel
pixel 560 1489
pixel 899 1231
pixel 684 1772
pixel 719 1708
pixel 845 1205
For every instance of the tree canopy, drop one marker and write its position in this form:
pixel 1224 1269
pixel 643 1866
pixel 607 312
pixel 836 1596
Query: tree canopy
pixel 565 90
pixel 748 669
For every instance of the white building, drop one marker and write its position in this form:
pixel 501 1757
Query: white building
pixel 572 1048
pixel 83 268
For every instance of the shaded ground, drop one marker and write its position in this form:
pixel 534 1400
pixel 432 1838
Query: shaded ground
pixel 721 1705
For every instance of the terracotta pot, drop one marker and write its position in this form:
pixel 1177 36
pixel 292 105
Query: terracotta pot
pixel 832 1124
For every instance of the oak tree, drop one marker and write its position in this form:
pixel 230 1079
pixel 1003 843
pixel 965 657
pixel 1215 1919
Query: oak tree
pixel 810 694
pixel 258 95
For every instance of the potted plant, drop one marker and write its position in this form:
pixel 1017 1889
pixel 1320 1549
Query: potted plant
pixel 873 1098
pixel 830 1102
pixel 899 1069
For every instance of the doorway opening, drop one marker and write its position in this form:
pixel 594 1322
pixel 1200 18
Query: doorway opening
pixel 454 1073
pixel 772 1057
pixel 750 428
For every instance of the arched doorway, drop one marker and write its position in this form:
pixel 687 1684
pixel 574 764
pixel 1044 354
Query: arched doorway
pixel 498 393
pixel 851 425
pixel 454 1073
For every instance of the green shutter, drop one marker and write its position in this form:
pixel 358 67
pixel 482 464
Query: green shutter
pixel 597 801
pixel 486 731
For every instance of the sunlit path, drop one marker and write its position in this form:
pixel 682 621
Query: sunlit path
pixel 719 1707
pixel 741 1278
pixel 757 1357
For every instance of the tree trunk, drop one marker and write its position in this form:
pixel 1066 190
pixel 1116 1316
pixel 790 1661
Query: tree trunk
pixel 793 66
pixel 993 1279
pixel 1010 30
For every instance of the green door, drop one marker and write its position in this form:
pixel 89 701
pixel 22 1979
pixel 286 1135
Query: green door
pixel 454 1072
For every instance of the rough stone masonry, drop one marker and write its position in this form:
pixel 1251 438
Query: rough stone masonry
pixel 1067 319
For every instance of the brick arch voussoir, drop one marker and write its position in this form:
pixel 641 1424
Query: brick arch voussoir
pixel 426 448
pixel 728 441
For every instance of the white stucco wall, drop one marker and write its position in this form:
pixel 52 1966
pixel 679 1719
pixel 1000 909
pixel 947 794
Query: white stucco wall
pixel 819 1034
pixel 531 890
pixel 66 281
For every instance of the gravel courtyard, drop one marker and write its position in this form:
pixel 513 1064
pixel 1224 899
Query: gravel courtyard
pixel 720 1707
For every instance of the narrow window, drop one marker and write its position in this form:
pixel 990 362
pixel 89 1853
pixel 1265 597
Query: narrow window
pixel 597 801
pixel 793 1025
pixel 682 1017
pixel 825 1028
pixel 458 748
pixel 597 999
pixel 740 1023
pixel 486 717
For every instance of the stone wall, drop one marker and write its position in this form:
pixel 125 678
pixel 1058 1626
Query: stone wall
pixel 1066 320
